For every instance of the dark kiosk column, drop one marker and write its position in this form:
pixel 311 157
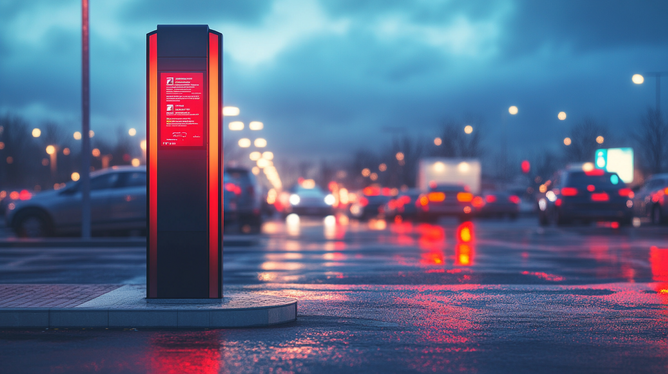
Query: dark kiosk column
pixel 184 163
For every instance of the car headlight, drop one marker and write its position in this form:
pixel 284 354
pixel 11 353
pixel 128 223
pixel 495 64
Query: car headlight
pixel 551 196
pixel 329 199
pixel 294 199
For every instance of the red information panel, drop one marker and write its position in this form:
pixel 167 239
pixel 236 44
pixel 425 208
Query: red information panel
pixel 182 101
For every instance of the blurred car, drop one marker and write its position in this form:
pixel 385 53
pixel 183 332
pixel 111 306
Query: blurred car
pixel 497 204
pixel 594 195
pixel 242 203
pixel 445 200
pixel 402 205
pixel 309 201
pixel 651 200
pixel 368 205
pixel 117 198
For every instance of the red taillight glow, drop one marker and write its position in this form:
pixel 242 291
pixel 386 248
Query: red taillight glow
pixel 490 198
pixel 595 172
pixel 665 190
pixel 14 195
pixel 514 199
pixel 25 195
pixel 436 196
pixel 558 202
pixel 591 188
pixel 423 200
pixel 231 187
pixel 601 196
pixel 478 202
pixel 569 191
pixel 371 191
pixel 464 197
pixel 363 201
pixel 626 192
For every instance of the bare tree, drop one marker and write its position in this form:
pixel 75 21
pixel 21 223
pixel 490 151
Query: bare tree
pixel 456 143
pixel 583 140
pixel 20 164
pixel 651 135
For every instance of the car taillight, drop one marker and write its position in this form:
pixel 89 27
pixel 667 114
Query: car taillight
pixel 423 200
pixel 514 199
pixel 363 201
pixel 591 188
pixel 601 196
pixel 405 199
pixel 25 195
pixel 490 198
pixel 569 191
pixel 558 202
pixel 436 196
pixel 478 202
pixel 464 197
pixel 595 172
pixel 626 192
pixel 231 187
pixel 665 190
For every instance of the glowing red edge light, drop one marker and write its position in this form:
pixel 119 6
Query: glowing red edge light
pixel 153 164
pixel 214 156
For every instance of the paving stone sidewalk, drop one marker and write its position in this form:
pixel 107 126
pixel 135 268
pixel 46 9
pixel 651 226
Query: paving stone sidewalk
pixel 50 295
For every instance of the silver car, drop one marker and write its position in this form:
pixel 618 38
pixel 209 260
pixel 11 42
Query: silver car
pixel 118 203
pixel 652 200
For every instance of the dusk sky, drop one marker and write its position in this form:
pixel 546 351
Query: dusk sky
pixel 330 77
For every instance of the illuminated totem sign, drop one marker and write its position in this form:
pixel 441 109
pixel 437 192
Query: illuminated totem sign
pixel 184 159
pixel 616 160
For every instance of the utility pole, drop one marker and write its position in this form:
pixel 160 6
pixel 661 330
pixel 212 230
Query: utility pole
pixel 85 123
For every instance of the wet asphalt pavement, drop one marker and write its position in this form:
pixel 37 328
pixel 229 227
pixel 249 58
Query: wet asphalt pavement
pixel 488 296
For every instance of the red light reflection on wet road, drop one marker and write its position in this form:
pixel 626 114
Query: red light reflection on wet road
pixel 197 353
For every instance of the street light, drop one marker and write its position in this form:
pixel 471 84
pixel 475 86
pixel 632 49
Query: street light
pixel 256 125
pixel 36 133
pixel 469 129
pixel 132 132
pixel 254 156
pixel 244 143
pixel 77 135
pixel 599 139
pixel 260 143
pixel 567 141
pixel 230 111
pixel 513 110
pixel 561 116
pixel 236 126
pixel 438 141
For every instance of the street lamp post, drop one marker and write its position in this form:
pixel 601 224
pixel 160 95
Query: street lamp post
pixel 85 123
pixel 52 151
pixel 639 79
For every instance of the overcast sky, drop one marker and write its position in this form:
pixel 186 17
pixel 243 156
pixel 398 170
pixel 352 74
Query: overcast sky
pixel 329 77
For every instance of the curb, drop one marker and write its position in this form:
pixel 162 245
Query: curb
pixel 127 307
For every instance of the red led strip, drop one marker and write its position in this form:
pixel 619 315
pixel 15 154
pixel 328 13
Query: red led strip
pixel 153 166
pixel 214 193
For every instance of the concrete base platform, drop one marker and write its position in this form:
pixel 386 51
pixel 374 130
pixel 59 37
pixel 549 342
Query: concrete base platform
pixel 126 306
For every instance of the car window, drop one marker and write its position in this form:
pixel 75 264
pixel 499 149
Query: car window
pixel 577 179
pixel 135 179
pixel 103 182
